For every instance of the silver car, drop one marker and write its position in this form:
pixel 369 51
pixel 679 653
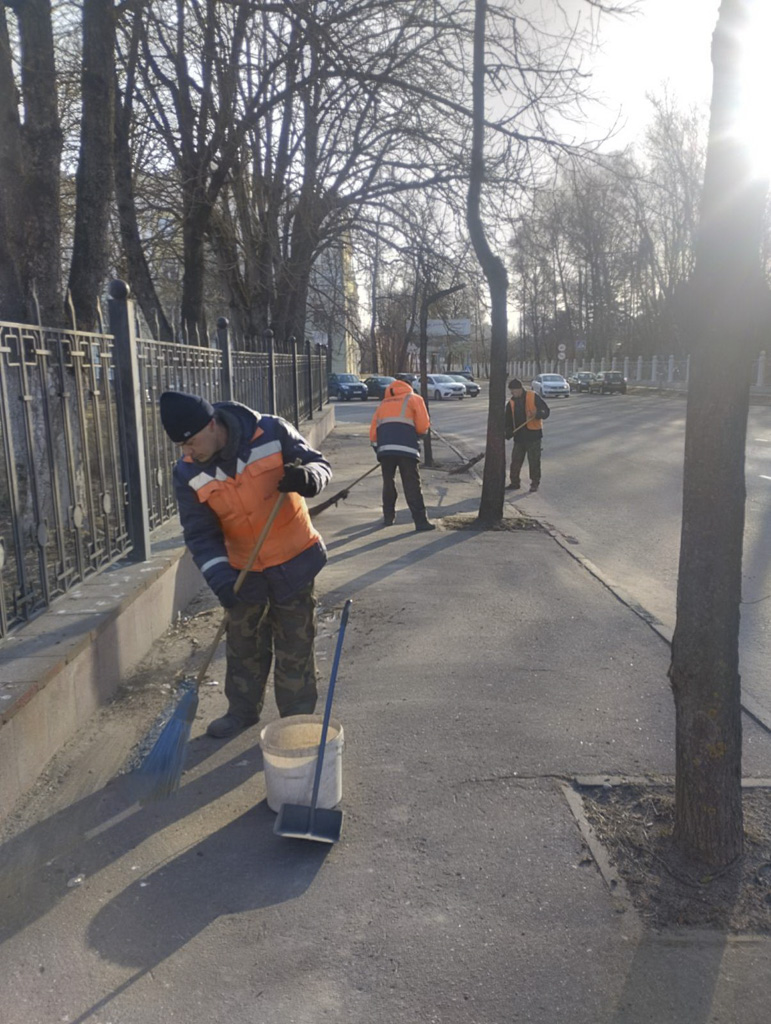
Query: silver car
pixel 551 385
pixel 441 385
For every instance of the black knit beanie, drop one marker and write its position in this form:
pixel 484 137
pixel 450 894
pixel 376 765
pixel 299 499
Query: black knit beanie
pixel 183 415
pixel 515 383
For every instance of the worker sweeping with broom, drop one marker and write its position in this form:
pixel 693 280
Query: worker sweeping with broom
pixel 236 466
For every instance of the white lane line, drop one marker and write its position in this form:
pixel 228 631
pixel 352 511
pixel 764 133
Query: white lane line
pixel 763 440
pixel 765 477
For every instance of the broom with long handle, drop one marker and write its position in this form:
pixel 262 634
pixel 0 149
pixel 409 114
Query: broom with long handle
pixel 163 765
pixel 341 495
pixel 478 458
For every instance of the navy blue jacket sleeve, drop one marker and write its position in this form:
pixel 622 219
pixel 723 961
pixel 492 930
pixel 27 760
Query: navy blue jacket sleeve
pixel 203 536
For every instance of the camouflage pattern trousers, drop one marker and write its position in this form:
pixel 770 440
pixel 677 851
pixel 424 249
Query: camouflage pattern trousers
pixel 256 633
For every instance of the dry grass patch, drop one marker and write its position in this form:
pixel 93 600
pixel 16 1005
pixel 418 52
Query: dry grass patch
pixel 635 824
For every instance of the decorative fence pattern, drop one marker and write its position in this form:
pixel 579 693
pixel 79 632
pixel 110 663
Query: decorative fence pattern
pixel 655 371
pixel 85 465
pixel 61 492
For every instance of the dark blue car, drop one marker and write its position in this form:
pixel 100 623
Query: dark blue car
pixel 345 386
pixel 376 385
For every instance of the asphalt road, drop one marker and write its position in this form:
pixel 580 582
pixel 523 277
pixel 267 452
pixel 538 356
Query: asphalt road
pixel 612 485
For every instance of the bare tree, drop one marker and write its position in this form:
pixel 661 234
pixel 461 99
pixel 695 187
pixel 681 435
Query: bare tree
pixel 491 504
pixel 32 150
pixel 94 178
pixel 728 299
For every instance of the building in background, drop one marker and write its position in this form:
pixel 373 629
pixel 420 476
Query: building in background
pixel 333 309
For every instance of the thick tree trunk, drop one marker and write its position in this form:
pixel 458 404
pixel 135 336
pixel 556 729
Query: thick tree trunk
pixel 42 148
pixel 12 305
pixel 493 481
pixel 195 223
pixel 94 180
pixel 137 270
pixel 728 298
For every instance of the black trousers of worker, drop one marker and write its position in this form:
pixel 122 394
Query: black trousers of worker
pixel 531 450
pixel 409 471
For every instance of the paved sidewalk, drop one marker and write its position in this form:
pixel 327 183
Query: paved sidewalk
pixel 481 671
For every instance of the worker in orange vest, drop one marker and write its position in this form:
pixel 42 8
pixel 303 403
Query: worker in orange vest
pixel 399 420
pixel 233 463
pixel 525 413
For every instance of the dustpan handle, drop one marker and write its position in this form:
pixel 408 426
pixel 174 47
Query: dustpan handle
pixel 328 709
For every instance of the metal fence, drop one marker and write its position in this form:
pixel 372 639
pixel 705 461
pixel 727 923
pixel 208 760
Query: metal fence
pixel 653 371
pixel 85 465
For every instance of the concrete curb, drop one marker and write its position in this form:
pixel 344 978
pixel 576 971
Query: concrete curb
pixel 56 671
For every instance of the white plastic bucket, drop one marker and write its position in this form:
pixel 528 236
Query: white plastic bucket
pixel 290 747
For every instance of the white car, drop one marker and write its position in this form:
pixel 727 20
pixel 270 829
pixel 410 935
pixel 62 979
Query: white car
pixel 551 385
pixel 441 386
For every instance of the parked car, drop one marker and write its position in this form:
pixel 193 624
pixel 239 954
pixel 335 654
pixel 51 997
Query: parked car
pixel 345 386
pixel 376 385
pixel 580 381
pixel 463 373
pixel 441 386
pixel 608 381
pixel 411 378
pixel 551 385
pixel 472 388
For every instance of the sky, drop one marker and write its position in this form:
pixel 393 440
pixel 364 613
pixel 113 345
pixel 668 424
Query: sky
pixel 667 42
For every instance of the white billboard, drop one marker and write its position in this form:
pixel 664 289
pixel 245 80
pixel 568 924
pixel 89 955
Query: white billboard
pixel 448 328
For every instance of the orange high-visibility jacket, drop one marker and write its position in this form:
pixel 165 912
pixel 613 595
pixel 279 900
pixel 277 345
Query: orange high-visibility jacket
pixel 223 508
pixel 530 407
pixel 398 422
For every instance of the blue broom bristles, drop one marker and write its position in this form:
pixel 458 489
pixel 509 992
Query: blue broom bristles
pixel 163 765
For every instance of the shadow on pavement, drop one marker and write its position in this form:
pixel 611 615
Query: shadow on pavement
pixel 38 866
pixel 240 867
pixel 672 979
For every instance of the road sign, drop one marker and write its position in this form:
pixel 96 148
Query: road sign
pixel 561 350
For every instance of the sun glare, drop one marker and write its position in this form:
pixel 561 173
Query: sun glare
pixel 752 123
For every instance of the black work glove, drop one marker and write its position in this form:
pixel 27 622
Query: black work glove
pixel 299 480
pixel 227 596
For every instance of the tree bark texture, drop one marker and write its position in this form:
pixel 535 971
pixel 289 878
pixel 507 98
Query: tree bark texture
pixel 41 156
pixel 728 296
pixel 94 179
pixel 12 304
pixel 195 223
pixel 137 270
pixel 493 480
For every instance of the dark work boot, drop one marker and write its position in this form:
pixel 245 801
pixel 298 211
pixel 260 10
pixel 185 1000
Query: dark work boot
pixel 388 519
pixel 424 525
pixel 533 486
pixel 513 486
pixel 229 725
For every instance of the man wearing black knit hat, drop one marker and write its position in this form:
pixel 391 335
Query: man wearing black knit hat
pixel 525 413
pixel 233 463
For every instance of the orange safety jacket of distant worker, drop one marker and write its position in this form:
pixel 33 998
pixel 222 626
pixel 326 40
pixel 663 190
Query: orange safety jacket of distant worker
pixel 398 422
pixel 530 407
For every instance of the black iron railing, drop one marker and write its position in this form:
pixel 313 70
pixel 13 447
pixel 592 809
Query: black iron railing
pixel 85 466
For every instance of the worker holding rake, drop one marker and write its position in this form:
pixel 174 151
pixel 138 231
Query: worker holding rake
pixel 235 464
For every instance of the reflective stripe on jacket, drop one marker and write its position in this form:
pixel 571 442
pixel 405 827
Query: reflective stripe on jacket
pixel 398 421
pixel 534 424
